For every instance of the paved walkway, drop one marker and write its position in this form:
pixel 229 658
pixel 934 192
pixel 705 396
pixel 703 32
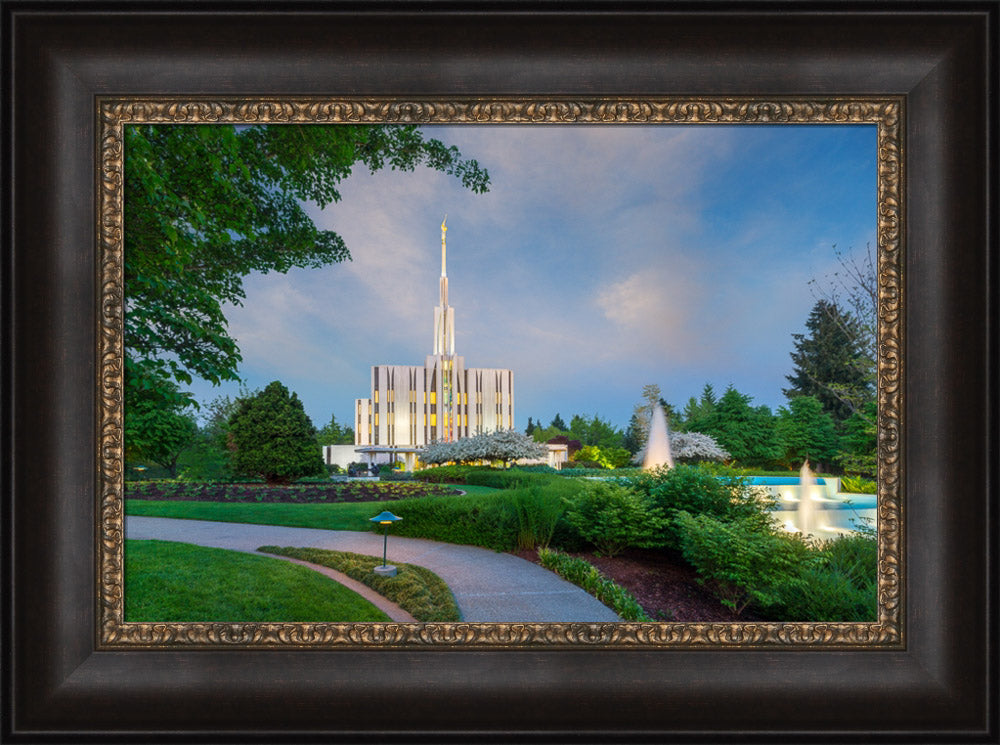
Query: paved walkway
pixel 488 586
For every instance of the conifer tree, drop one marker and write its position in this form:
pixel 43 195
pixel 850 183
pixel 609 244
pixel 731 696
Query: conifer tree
pixel 272 437
pixel 829 362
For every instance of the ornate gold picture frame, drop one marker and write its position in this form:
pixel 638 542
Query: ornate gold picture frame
pixel 74 73
pixel 886 113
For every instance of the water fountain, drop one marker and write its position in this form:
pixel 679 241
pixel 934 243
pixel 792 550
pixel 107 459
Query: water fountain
pixel 658 442
pixel 805 514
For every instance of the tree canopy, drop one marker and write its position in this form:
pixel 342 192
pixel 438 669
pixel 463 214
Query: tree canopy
pixel 159 433
pixel 206 205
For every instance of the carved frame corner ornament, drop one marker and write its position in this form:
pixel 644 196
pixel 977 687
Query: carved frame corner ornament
pixel 886 113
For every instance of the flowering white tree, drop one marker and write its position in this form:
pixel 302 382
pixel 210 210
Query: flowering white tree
pixel 692 446
pixel 504 445
pixel 696 446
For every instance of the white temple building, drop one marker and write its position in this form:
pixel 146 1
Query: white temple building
pixel 442 400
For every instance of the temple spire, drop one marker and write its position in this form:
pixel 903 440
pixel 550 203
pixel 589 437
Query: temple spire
pixel 444 230
pixel 444 319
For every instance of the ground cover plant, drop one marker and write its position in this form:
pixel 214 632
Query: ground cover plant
pixel 417 590
pixel 177 582
pixel 585 575
pixel 350 491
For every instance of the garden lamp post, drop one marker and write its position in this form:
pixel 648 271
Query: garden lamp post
pixel 385 520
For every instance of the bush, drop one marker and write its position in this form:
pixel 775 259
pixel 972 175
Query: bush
pixel 585 575
pixel 488 521
pixel 538 468
pixel 739 562
pixel 826 595
pixel 698 491
pixel 841 585
pixel 857 485
pixel 387 474
pixel 538 512
pixel 525 517
pixel 614 517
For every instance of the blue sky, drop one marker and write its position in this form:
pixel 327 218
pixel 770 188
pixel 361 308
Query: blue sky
pixel 603 258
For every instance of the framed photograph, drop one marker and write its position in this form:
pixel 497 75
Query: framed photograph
pixel 923 86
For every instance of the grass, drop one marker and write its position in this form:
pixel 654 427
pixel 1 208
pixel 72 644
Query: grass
pixel 474 489
pixel 343 516
pixel 177 582
pixel 417 590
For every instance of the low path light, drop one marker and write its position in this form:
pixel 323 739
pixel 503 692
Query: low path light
pixel 385 520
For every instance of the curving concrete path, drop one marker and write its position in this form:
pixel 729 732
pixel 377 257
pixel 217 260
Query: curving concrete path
pixel 488 586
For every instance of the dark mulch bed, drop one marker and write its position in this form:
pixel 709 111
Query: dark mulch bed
pixel 665 586
pixel 359 491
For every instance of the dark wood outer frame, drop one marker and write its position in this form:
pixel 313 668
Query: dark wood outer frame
pixel 56 686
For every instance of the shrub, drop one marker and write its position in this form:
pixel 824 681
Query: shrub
pixel 537 468
pixel 585 575
pixel 387 474
pixel 841 585
pixel 741 563
pixel 614 517
pixel 697 491
pixel 857 485
pixel 488 521
pixel 538 512
pixel 826 595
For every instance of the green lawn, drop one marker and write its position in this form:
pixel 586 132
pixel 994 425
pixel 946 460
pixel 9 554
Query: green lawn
pixel 337 516
pixel 167 581
pixel 345 516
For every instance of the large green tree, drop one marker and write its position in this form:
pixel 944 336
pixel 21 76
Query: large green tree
pixel 205 205
pixel 271 436
pixel 332 433
pixel 807 432
pixel 159 433
pixel 747 432
pixel 830 362
pixel 595 431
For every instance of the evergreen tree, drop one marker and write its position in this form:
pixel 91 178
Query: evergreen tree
pixel 697 411
pixel 595 431
pixel 559 424
pixel 634 439
pixel 746 432
pixel 829 363
pixel 272 437
pixel 530 428
pixel 859 442
pixel 333 434
pixel 807 432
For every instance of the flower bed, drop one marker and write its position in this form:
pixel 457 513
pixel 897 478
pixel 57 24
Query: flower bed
pixel 355 491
